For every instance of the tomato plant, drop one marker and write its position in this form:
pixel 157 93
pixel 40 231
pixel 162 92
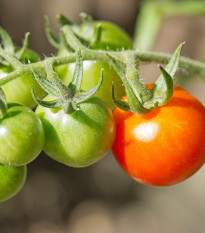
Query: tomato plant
pixel 113 38
pixel 165 146
pixel 160 130
pixel 21 136
pixel 12 180
pixel 81 138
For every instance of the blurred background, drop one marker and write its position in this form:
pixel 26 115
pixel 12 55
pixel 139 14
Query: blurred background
pixel 102 198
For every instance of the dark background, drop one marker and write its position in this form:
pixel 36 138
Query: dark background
pixel 102 198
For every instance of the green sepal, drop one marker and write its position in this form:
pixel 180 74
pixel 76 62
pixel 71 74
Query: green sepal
pixel 47 104
pixel 46 85
pixel 119 103
pixel 173 64
pixel 65 44
pixel 97 35
pixel 163 88
pixel 78 73
pixel 134 103
pixel 74 40
pixel 67 97
pixel 3 62
pixel 20 53
pixel 52 76
pixel 83 96
pixel 63 20
pixel 3 103
pixel 7 41
pixel 86 18
pixel 132 75
pixel 63 90
pixel 50 36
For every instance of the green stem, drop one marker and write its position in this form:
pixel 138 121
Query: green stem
pixel 143 56
pixel 152 14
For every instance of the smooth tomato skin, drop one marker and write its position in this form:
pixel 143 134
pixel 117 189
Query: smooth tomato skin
pixel 19 89
pixel 165 146
pixel 21 136
pixel 113 38
pixel 12 180
pixel 81 138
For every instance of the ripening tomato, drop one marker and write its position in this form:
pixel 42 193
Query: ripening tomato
pixel 12 180
pixel 113 38
pixel 165 146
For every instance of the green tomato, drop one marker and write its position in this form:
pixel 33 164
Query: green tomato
pixel 12 180
pixel 81 138
pixel 21 136
pixel 19 89
pixel 113 38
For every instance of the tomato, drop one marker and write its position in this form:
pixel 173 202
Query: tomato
pixel 81 138
pixel 19 89
pixel 21 136
pixel 12 180
pixel 165 146
pixel 112 38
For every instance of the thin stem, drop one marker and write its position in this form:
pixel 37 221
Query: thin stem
pixel 154 12
pixel 144 56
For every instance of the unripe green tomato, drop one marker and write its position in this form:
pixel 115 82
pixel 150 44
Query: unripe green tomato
pixel 12 180
pixel 19 89
pixel 113 38
pixel 21 136
pixel 81 138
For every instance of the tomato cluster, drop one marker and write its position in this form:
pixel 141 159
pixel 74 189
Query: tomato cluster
pixel 162 147
pixel 113 38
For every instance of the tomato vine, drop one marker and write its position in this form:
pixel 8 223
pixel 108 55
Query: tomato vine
pixel 141 120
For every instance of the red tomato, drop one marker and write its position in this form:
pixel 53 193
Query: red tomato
pixel 165 146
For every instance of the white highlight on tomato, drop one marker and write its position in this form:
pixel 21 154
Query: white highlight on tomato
pixel 3 75
pixel 2 130
pixel 86 64
pixel 146 132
